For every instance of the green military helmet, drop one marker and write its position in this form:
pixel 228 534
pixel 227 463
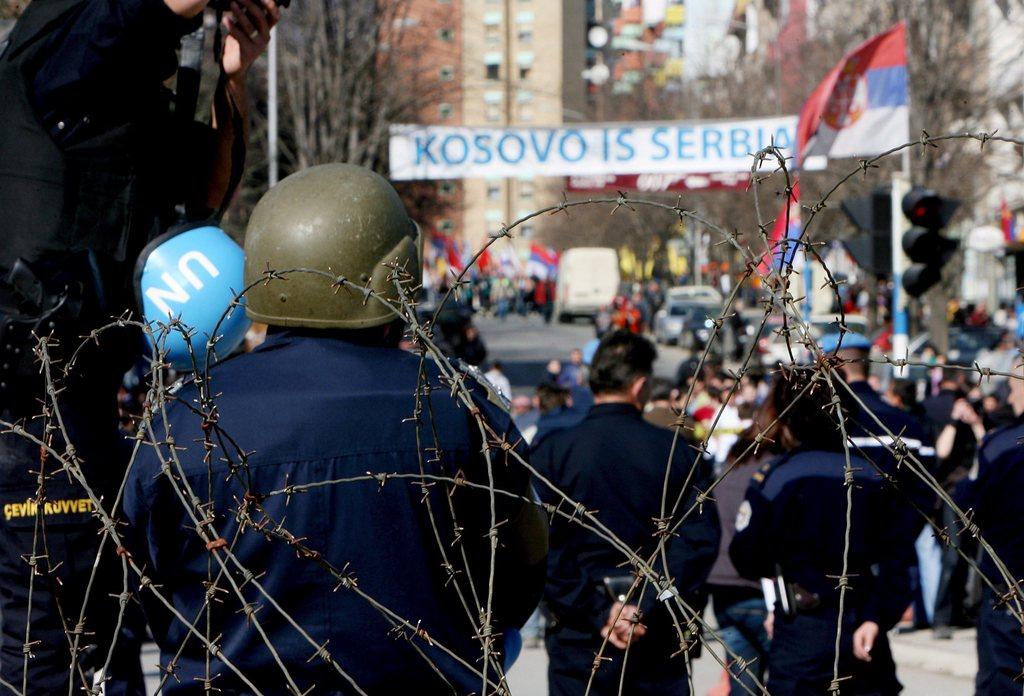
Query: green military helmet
pixel 339 218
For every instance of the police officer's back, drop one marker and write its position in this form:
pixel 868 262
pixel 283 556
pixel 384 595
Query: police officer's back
pixel 388 573
pixel 793 525
pixel 894 442
pixel 992 496
pixel 614 464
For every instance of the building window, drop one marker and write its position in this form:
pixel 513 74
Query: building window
pixel 525 112
pixel 445 111
pixel 446 34
pixel 493 113
pixel 493 71
pixel 493 192
pixel 492 18
pixel 524 96
pixel 447 188
pixel 525 35
pixel 447 73
pixel 524 72
pixel 526 189
pixel 525 17
pixel 446 225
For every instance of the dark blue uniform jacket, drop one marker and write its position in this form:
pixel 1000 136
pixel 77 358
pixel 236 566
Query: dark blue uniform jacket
pixel 614 463
pixel 793 523
pixel 311 409
pixel 868 430
pixel 994 491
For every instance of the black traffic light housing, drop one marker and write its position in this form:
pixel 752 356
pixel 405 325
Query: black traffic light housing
pixel 871 214
pixel 927 249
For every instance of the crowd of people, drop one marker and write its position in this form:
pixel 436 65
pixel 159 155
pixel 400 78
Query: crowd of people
pixel 770 441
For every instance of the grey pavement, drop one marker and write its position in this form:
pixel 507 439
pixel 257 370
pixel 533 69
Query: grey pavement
pixel 529 677
pixel 525 345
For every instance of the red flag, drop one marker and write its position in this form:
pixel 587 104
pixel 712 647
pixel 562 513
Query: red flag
pixel 1008 223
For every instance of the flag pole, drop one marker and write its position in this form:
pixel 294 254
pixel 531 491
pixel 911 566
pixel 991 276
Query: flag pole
pixel 901 183
pixel 900 328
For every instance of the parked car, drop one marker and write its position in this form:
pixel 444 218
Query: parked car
pixel 687 323
pixel 964 343
pixel 775 348
pixel 694 293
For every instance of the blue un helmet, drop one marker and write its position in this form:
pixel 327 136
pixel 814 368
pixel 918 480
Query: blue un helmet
pixel 192 274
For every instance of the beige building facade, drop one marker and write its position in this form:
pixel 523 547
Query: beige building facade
pixel 522 65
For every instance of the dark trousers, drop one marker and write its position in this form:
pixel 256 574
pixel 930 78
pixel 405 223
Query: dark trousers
pixel 1000 650
pixel 64 539
pixel 802 654
pixel 649 669
pixel 949 599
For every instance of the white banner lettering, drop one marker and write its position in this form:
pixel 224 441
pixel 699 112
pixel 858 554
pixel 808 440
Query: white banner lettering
pixel 454 152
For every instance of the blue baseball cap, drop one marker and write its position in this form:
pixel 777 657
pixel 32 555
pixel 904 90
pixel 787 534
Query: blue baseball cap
pixel 850 340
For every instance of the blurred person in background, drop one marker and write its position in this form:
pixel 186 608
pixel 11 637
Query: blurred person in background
pixel 787 528
pixel 498 380
pixel 956 447
pixel 611 463
pixel 574 372
pixel 556 412
pixel 739 604
pixel 992 493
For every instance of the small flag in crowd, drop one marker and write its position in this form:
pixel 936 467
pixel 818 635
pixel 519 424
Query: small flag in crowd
pixel 543 262
pixel 1008 222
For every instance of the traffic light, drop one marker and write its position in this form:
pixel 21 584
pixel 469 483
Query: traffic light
pixel 927 249
pixel 873 215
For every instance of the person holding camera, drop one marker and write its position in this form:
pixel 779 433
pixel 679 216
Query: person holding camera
pixel 97 157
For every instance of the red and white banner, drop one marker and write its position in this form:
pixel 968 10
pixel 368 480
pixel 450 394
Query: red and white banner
pixel 654 183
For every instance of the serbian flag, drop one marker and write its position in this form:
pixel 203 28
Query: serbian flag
pixel 543 261
pixel 861 108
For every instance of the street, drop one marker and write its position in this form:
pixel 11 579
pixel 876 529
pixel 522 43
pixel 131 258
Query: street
pixel 529 677
pixel 525 345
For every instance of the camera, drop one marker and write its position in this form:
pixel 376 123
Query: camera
pixel 226 4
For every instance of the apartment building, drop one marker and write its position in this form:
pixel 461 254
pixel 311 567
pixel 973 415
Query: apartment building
pixel 504 63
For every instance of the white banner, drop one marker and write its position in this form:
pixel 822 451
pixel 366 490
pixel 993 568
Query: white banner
pixel 454 152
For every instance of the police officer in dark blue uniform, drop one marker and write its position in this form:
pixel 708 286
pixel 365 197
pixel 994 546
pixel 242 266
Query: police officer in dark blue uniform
pixel 992 494
pixel 93 160
pixel 330 397
pixel 792 526
pixel 871 423
pixel 614 463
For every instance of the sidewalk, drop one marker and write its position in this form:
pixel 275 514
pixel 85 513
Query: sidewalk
pixel 956 657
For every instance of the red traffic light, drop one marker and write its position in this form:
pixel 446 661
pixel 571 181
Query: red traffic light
pixel 927 209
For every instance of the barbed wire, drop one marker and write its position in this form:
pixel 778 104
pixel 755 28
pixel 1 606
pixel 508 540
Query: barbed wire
pixel 228 575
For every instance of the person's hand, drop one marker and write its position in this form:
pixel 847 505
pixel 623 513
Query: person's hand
pixel 621 629
pixel 248 24
pixel 186 8
pixel 864 640
pixel 769 625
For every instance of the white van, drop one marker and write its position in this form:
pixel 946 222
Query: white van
pixel 588 279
